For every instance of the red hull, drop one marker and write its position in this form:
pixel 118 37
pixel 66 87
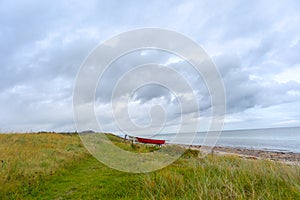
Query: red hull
pixel 150 141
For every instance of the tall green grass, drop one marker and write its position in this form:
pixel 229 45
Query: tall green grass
pixel 226 177
pixel 52 166
pixel 27 159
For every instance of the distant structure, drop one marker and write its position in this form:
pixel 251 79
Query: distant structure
pixel 87 132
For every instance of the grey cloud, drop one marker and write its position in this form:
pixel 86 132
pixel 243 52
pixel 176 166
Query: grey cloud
pixel 240 90
pixel 150 92
pixel 25 106
pixel 124 64
pixel 244 93
pixel 278 93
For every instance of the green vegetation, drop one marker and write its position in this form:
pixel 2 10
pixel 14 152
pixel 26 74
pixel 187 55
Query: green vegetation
pixel 53 166
pixel 27 160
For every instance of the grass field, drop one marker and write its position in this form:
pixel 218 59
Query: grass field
pixel 55 166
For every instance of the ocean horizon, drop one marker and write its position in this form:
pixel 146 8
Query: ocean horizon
pixel 283 139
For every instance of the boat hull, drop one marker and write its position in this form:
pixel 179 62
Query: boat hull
pixel 150 141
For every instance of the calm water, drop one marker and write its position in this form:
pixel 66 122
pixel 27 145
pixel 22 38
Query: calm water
pixel 277 139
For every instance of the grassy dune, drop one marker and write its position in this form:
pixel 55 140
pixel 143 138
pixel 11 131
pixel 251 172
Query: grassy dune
pixel 53 166
pixel 26 160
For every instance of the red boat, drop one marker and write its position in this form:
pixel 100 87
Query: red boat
pixel 150 141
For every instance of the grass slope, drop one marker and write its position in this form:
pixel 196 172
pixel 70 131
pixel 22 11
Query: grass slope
pixel 27 160
pixel 76 175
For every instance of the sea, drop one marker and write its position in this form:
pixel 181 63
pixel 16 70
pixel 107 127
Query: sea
pixel 272 139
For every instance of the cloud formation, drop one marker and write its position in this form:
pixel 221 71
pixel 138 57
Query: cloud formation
pixel 255 46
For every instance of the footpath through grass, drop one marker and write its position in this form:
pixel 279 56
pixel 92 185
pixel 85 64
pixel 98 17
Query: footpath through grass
pixel 88 180
pixel 190 177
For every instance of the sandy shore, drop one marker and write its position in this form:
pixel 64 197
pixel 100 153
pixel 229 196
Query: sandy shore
pixel 286 157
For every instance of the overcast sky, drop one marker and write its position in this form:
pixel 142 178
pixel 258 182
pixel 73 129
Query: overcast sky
pixel 254 44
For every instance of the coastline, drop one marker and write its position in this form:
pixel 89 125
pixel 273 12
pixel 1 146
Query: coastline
pixel 290 158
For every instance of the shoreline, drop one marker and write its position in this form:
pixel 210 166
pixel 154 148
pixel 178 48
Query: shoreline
pixel 255 154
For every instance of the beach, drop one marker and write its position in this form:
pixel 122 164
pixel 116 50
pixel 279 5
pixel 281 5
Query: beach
pixel 285 157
